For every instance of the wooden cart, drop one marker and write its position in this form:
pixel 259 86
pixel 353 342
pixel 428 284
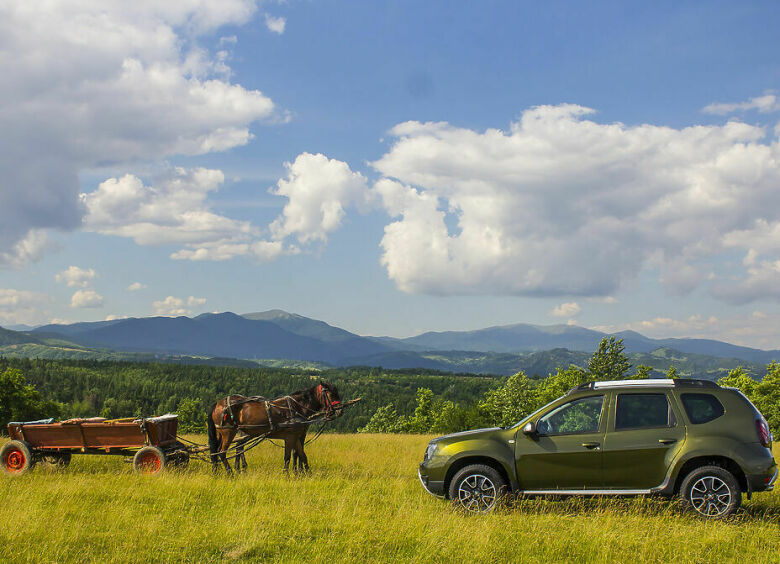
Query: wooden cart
pixel 151 442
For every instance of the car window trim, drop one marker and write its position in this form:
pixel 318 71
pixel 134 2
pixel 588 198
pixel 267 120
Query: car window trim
pixel 669 401
pixel 601 417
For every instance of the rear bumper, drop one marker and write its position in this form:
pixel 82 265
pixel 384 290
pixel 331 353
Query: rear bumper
pixel 763 482
pixel 435 488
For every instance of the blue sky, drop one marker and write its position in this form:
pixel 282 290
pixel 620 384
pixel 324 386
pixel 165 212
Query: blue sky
pixel 395 168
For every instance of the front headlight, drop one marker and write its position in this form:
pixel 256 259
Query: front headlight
pixel 431 450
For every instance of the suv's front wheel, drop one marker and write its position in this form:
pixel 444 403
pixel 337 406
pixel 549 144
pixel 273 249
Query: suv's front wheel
pixel 477 488
pixel 712 492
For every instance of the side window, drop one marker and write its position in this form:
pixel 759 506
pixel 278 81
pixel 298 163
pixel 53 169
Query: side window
pixel 702 408
pixel 578 416
pixel 638 411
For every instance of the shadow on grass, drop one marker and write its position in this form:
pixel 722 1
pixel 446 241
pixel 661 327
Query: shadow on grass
pixel 641 506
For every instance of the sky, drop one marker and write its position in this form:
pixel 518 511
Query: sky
pixel 394 168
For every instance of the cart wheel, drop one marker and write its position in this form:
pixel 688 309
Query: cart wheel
pixel 149 460
pixel 16 458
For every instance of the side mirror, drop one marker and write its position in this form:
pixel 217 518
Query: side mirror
pixel 529 428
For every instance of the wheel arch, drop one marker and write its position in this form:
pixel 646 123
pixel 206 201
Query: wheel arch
pixel 461 463
pixel 710 460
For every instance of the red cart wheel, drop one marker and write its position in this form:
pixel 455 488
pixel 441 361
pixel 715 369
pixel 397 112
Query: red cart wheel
pixel 16 458
pixel 149 460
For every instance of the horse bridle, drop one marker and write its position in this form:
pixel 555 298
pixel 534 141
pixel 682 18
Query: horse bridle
pixel 325 399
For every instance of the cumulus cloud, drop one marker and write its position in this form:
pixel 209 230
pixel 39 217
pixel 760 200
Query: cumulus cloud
pixel 563 205
pixel 764 104
pixel 86 299
pixel 173 307
pixel 22 307
pixel 318 190
pixel 174 211
pixel 568 309
pixel 276 25
pixel 92 83
pixel 135 286
pixel 76 277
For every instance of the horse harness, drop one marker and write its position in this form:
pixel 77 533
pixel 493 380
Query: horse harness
pixel 229 418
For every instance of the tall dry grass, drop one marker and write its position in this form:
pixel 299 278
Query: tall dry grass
pixel 362 502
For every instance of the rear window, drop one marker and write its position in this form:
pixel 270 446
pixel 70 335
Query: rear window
pixel 702 408
pixel 636 411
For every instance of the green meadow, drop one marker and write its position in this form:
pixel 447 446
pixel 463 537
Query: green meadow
pixel 362 502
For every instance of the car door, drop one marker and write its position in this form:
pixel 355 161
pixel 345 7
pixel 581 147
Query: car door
pixel 565 451
pixel 643 437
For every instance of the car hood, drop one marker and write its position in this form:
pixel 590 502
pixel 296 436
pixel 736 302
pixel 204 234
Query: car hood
pixel 467 433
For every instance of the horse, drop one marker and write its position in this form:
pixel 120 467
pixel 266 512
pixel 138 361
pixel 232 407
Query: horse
pixel 280 418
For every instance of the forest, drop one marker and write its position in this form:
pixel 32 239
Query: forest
pixel 395 401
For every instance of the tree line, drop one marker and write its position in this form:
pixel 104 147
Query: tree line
pixel 394 401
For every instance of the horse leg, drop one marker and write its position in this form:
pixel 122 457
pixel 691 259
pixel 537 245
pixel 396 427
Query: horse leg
pixel 227 438
pixel 288 444
pixel 240 457
pixel 303 460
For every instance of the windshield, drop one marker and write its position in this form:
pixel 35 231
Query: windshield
pixel 527 417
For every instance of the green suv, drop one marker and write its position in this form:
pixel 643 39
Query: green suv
pixel 690 438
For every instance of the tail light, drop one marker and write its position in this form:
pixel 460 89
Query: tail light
pixel 764 437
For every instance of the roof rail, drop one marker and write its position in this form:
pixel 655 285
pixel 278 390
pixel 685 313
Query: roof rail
pixel 650 382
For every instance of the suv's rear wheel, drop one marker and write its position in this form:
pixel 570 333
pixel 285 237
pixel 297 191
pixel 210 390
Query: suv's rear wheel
pixel 712 492
pixel 477 488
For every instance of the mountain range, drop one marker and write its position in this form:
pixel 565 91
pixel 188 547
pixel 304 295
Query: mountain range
pixel 277 334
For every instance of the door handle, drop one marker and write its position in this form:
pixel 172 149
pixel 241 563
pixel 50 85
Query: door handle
pixel 667 441
pixel 591 445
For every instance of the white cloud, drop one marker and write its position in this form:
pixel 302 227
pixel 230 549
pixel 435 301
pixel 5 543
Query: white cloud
pixel 764 104
pixel 604 300
pixel 568 309
pixel 30 248
pixel 22 307
pixel 91 83
pixel 276 25
pixel 173 307
pixel 175 210
pixel 135 287
pixel 86 299
pixel 76 277
pixel 318 190
pixel 563 205
pixel 116 317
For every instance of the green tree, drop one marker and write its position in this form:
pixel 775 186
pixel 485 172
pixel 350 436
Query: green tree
pixel 609 362
pixel 643 372
pixel 192 416
pixel 423 418
pixel 672 373
pixel 384 420
pixel 20 401
pixel 765 394
pixel 555 385
pixel 511 402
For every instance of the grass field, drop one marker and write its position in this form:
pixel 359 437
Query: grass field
pixel 362 502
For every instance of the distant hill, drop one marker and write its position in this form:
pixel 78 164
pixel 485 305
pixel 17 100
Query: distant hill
pixel 279 338
pixel 221 335
pixel 523 337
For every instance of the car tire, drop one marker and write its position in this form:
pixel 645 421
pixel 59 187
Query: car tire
pixel 712 492
pixel 477 488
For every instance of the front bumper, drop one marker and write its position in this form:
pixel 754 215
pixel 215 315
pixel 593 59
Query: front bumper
pixel 433 487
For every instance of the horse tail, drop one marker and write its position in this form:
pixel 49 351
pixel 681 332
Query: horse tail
pixel 212 429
